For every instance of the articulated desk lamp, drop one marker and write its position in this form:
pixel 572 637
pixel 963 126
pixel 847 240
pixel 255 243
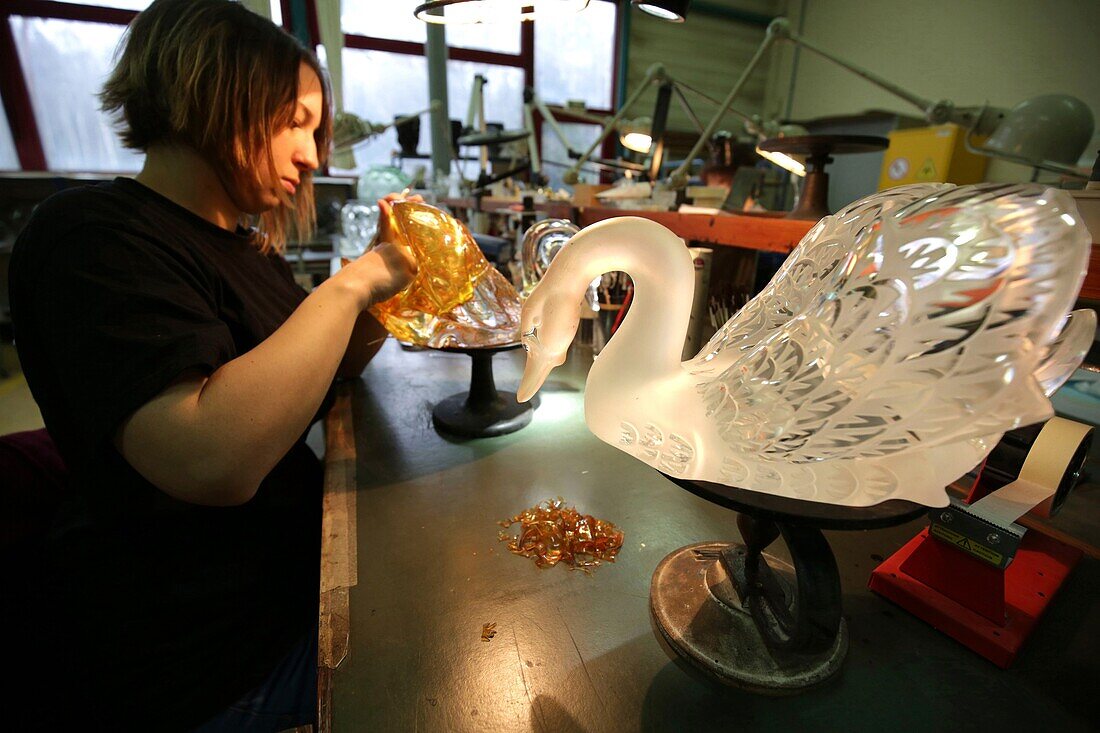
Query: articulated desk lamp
pixel 1049 132
pixel 350 130
pixel 481 136
pixel 633 134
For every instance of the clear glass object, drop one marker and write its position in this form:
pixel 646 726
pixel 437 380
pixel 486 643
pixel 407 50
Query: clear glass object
pixel 888 355
pixel 457 299
pixel 541 243
pixel 380 180
pixel 359 220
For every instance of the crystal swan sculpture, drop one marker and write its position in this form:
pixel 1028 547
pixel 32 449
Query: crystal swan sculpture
pixel 898 342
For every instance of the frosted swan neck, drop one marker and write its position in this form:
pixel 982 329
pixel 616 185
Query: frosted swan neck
pixel 660 266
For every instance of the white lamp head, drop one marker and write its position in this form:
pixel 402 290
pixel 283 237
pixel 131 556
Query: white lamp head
pixel 674 11
pixel 472 12
pixel 1049 129
pixel 635 135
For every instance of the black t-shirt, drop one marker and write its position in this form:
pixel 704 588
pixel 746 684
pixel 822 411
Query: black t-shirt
pixel 152 612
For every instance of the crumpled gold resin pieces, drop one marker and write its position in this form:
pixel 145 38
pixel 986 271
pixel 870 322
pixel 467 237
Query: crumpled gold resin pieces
pixel 552 532
pixel 457 298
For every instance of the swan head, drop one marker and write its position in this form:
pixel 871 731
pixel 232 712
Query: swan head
pixel 547 327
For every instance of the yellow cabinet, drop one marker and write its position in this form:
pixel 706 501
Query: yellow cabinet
pixel 923 154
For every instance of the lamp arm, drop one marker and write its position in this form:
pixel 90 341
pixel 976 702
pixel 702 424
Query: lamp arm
pixel 532 143
pixel 656 71
pixel 936 112
pixel 436 104
pixel 474 103
pixel 551 120
pixel 679 177
pixel 932 109
pixel 687 107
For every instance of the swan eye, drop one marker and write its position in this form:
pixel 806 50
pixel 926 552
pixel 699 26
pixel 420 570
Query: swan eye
pixel 533 334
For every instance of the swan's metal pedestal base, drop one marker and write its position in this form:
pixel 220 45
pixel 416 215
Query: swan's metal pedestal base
pixel 748 619
pixel 483 412
pixel 697 607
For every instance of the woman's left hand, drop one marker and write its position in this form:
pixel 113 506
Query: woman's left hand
pixel 386 232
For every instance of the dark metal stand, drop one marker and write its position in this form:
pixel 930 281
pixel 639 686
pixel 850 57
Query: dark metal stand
pixel 813 202
pixel 483 411
pixel 749 619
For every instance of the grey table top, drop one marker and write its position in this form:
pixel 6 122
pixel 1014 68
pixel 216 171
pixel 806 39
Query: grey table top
pixel 576 652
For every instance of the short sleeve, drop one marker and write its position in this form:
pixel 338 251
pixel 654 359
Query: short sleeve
pixel 120 320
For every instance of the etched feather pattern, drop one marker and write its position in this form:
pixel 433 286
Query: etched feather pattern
pixel 944 302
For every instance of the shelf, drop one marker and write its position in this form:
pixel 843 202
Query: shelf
pixel 553 209
pixel 765 233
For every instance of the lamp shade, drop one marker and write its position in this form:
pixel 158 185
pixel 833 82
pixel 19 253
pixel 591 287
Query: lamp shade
pixel 674 11
pixel 465 12
pixel 1052 128
pixel 636 134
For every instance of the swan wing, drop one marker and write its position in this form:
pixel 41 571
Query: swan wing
pixel 810 272
pixel 931 328
pixel 1067 351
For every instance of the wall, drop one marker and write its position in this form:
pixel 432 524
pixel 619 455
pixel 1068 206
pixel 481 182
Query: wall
pixel 706 52
pixel 1000 51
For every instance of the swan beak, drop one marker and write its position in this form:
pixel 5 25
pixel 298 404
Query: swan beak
pixel 534 374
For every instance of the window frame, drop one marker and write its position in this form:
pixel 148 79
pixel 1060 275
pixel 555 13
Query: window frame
pixel 525 60
pixel 24 127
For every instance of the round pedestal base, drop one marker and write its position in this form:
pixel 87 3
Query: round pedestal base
pixel 698 612
pixel 456 415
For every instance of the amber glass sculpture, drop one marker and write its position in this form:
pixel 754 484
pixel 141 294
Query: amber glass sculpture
pixel 457 298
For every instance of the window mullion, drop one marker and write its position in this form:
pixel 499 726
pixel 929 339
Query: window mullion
pixel 17 104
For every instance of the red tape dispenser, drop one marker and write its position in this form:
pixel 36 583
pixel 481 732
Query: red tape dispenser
pixel 975 573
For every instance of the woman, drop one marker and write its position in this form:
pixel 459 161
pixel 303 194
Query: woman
pixel 178 367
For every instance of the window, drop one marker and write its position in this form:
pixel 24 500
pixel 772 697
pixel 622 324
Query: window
pixel 65 51
pixel 385 73
pixel 9 159
pixel 575 55
pixel 394 21
pixel 123 4
pixel 65 63
pixel 555 158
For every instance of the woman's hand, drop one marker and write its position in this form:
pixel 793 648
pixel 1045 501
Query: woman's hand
pixel 388 267
pixel 386 232
pixel 380 274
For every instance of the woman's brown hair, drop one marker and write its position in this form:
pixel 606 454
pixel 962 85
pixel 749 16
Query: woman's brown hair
pixel 213 76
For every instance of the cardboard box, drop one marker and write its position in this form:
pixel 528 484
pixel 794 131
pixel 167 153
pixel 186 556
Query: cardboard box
pixel 926 154
pixel 584 194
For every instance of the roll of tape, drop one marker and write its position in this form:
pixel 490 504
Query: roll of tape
pixel 1047 476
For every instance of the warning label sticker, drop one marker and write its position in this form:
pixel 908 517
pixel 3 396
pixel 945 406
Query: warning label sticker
pixel 927 171
pixel 965 543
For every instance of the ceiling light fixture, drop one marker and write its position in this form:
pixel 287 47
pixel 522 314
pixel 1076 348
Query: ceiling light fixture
pixel 470 12
pixel 674 11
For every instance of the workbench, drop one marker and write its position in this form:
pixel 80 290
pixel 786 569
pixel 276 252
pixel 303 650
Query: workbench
pixel 412 570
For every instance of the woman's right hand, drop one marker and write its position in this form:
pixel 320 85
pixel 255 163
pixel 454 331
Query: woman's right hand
pixel 380 274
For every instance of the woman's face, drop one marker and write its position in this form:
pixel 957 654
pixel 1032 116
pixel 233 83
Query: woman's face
pixel 293 148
